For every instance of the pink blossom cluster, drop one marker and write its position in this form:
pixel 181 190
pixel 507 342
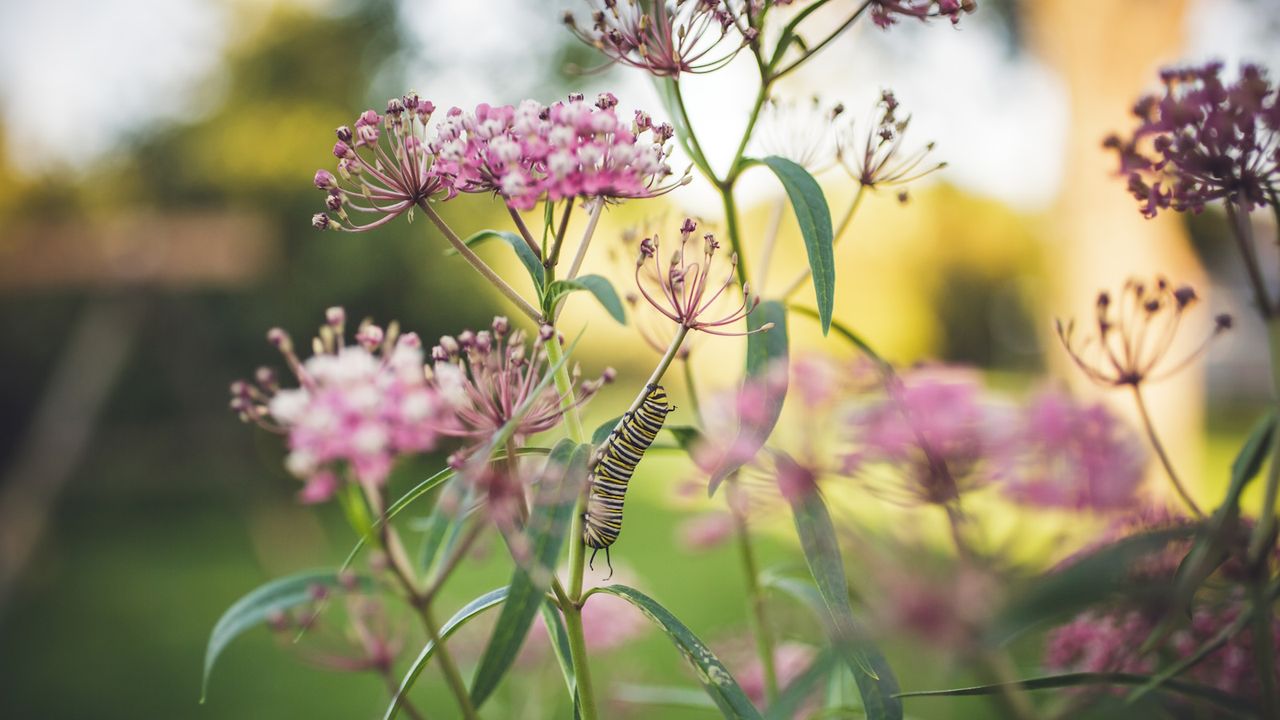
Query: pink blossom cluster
pixel 487 378
pixel 532 152
pixel 1060 453
pixel 357 407
pixel 1204 140
pixel 1110 642
pixel 885 13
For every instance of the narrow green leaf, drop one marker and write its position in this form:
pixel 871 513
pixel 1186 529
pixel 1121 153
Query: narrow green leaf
pixel 460 618
pixel 814 218
pixel 715 679
pixel 1212 695
pixel 530 261
pixel 687 436
pixel 548 525
pixel 253 609
pixel 559 637
pixel 1094 578
pixel 875 679
pixel 766 351
pixel 597 285
pixel 802 687
pixel 602 433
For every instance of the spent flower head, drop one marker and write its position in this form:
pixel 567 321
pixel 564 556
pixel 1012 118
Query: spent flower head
pixel 1063 454
pixel 384 167
pixel 875 156
pixel 885 13
pixel 802 131
pixel 359 634
pixel 1133 335
pixel 357 407
pixel 488 377
pixel 684 290
pixel 1204 140
pixel 665 37
pixel 571 149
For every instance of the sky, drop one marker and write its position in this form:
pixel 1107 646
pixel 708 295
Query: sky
pixel 76 76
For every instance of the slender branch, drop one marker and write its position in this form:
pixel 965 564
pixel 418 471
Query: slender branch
pixel 1263 649
pixel 694 147
pixel 826 41
pixel 553 258
pixel 731 225
pixel 1262 538
pixel 393 686
pixel 592 220
pixel 1158 446
pixel 450 563
pixel 479 265
pixel 760 627
pixel 1242 231
pixel 691 387
pixel 524 231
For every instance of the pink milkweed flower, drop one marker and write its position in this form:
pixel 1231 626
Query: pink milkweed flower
pixel 572 149
pixel 1134 335
pixel 384 167
pixel 486 377
pixel 706 531
pixel 790 660
pixel 934 430
pixel 357 407
pixel 608 621
pixel 876 158
pixel 684 290
pixel 884 13
pixel 663 37
pixel 1204 140
pixel 946 606
pixel 1059 453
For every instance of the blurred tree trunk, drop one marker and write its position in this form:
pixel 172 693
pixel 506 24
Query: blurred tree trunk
pixel 1107 52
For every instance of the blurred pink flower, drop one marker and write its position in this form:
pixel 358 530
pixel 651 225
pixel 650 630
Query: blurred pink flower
pixel 1059 453
pixel 790 660
pixel 934 427
pixel 945 606
pixel 738 422
pixel 608 621
pixel 706 531
pixel 358 407
pixel 356 634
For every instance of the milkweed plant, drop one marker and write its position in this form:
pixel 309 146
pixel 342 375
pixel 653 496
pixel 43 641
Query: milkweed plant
pixel 1169 611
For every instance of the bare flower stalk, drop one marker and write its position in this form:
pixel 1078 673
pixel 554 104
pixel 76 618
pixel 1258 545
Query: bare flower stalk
pixel 1158 446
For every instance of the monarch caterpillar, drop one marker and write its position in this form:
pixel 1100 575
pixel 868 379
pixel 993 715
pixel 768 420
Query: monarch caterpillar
pixel 616 462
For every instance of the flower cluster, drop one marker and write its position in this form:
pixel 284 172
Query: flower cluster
pixel 532 152
pixel 665 37
pixel 684 290
pixel 1135 333
pixel 877 159
pixel 1067 455
pixel 363 638
pixel 357 407
pixel 933 426
pixel 804 132
pixel 1204 140
pixel 884 13
pixel 384 167
pixel 491 377
pixel 1110 642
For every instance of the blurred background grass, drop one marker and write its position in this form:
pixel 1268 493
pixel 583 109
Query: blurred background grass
pixel 144 253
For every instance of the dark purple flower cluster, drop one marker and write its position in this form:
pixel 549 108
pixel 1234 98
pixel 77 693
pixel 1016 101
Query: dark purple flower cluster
pixel 1204 140
pixel 885 12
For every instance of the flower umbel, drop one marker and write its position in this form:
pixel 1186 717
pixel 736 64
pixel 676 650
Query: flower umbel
pixel 384 167
pixel 884 13
pixel 1204 140
pixel 1134 334
pixel 878 160
pixel 684 290
pixel 357 407
pixel 487 377
pixel 804 132
pixel 664 37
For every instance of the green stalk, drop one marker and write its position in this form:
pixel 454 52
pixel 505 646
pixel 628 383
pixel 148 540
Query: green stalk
pixel 759 618
pixel 1262 650
pixel 1164 456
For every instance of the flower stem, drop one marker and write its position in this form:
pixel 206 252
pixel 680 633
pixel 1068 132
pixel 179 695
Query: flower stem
pixel 479 265
pixel 1263 617
pixel 1263 532
pixel 844 225
pixel 823 43
pixel 1158 446
pixel 759 618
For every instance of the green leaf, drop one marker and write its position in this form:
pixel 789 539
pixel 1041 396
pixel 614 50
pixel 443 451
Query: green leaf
pixel 460 618
pixel 687 436
pixel 602 433
pixel 596 285
pixel 715 679
pixel 530 261
pixel 1092 579
pixel 1192 690
pixel 547 528
pixel 814 217
pixel 802 687
pixel 871 671
pixel 765 350
pixel 559 637
pixel 252 609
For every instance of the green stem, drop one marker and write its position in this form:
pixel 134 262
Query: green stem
pixel 691 387
pixel 1263 617
pixel 694 147
pixel 759 618
pixel 735 235
pixel 1262 540
pixel 825 41
pixel 1164 456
